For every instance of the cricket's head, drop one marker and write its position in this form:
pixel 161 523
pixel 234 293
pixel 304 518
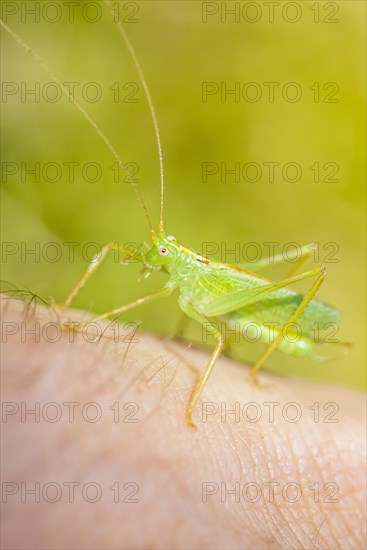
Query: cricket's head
pixel 164 251
pixel 167 254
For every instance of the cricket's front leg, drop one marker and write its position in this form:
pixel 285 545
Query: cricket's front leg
pixel 191 312
pixel 97 260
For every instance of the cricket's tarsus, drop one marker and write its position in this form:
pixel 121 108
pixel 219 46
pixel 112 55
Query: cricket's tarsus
pixel 210 292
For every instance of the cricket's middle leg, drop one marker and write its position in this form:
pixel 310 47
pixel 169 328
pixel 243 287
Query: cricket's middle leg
pixel 191 312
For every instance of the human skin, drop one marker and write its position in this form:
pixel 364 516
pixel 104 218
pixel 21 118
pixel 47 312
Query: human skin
pixel 172 479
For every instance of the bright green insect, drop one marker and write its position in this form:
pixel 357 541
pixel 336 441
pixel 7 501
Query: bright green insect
pixel 213 293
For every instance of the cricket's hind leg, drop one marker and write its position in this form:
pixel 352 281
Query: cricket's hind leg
pixel 292 320
pixel 300 256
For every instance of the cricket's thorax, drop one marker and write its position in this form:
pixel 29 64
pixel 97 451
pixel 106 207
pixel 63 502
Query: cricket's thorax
pixel 187 268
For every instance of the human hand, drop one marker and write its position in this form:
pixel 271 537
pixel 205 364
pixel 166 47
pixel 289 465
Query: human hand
pixel 113 465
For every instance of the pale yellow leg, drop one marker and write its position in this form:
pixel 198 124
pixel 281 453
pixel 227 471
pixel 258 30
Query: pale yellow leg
pixel 191 312
pixel 296 266
pixel 97 260
pixel 276 259
pixel 297 313
pixel 202 382
pixel 166 291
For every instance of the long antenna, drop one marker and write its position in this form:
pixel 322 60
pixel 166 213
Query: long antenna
pixel 151 107
pixel 86 115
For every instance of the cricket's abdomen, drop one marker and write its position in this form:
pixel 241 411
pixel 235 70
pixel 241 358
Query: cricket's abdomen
pixel 263 321
pixel 293 343
pixel 277 308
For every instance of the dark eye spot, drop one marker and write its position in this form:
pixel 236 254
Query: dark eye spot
pixel 163 251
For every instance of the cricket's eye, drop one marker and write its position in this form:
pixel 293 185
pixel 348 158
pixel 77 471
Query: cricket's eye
pixel 163 251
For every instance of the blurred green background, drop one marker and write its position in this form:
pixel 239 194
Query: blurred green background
pixel 179 52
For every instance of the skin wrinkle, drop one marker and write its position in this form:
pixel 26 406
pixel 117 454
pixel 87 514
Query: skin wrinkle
pixel 273 519
pixel 280 509
pixel 238 454
pixel 169 452
pixel 253 450
pixel 251 455
pixel 295 520
pixel 287 525
pixel 231 478
pixel 230 439
pixel 351 534
pixel 342 528
pixel 224 437
pixel 245 459
pixel 314 541
pixel 329 539
pixel 290 443
pixel 300 525
pixel 221 461
pixel 333 529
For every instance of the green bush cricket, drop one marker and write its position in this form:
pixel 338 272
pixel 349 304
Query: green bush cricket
pixel 211 292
